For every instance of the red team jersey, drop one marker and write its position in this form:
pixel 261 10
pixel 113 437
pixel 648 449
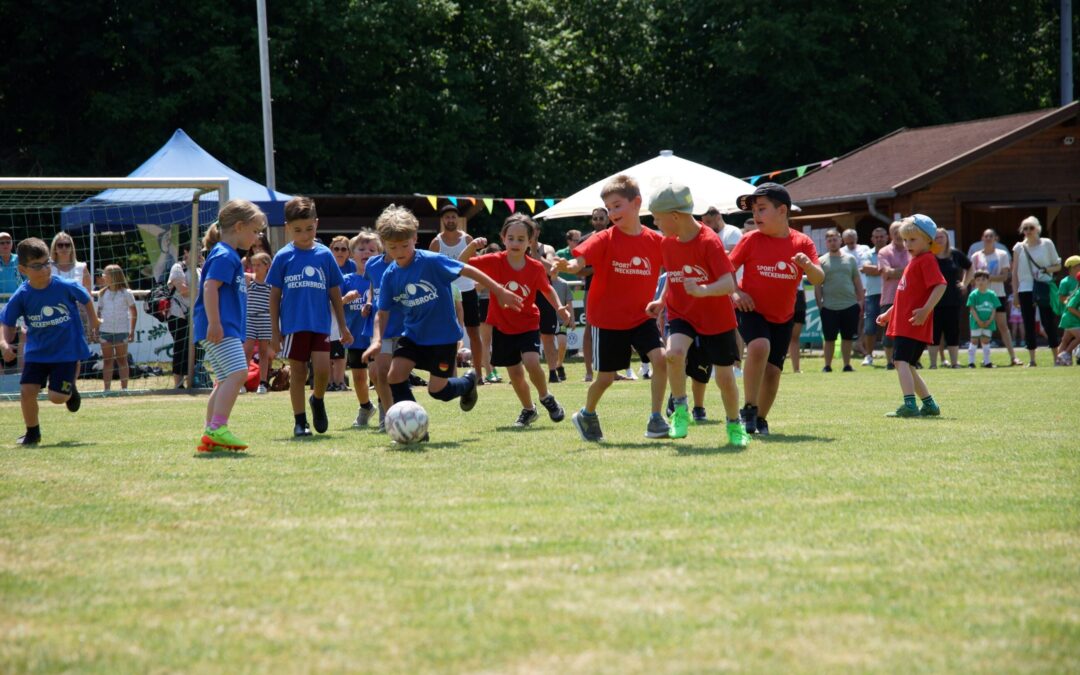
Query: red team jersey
pixel 625 270
pixel 526 282
pixel 920 277
pixel 769 276
pixel 702 259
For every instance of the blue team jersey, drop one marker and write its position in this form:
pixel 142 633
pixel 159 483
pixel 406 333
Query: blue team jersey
pixel 353 318
pixel 305 277
pixel 224 265
pixel 349 267
pixel 373 272
pixel 422 292
pixel 54 330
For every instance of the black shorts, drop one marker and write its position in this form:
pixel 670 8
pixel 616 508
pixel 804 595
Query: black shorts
pixel 842 322
pixel 705 351
pixel 354 359
pixel 612 347
pixel 908 350
pixel 470 302
pixel 753 326
pixel 1003 306
pixel 885 341
pixel 549 319
pixel 439 360
pixel 337 350
pixel 800 306
pixel 947 325
pixel 482 307
pixel 506 348
pixel 59 376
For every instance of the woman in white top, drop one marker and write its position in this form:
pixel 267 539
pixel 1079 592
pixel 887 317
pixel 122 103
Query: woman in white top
pixel 995 261
pixel 66 265
pixel 1035 259
pixel 118 316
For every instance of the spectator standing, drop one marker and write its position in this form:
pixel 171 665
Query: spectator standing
pixel 178 321
pixel 956 268
pixel 861 253
pixel 892 259
pixel 871 277
pixel 994 259
pixel 1035 259
pixel 450 242
pixel 10 279
pixel 840 297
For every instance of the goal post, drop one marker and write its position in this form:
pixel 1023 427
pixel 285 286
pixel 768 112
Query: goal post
pixel 142 225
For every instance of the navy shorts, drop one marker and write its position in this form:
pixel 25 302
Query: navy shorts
pixel 753 326
pixel 59 376
pixel 439 360
pixel 506 348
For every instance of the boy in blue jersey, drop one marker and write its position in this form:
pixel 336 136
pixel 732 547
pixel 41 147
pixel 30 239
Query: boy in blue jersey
pixel 221 319
pixel 359 318
pixel 55 342
pixel 306 282
pixel 419 284
pixel 391 331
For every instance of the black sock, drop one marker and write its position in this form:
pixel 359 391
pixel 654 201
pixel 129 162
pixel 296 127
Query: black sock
pixel 401 391
pixel 33 432
pixel 301 418
pixel 455 387
pixel 366 406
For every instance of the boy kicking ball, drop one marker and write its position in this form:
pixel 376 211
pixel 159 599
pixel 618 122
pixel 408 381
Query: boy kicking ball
pixel 910 319
pixel 55 342
pixel 700 280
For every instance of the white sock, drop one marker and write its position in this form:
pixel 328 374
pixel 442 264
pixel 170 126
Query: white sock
pixel 971 353
pixel 986 353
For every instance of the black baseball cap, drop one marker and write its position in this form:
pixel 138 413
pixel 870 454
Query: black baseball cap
pixel 447 208
pixel 773 191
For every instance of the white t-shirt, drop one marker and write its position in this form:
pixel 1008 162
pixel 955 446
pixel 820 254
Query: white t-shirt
pixel 861 253
pixel 992 263
pixel 74 274
pixel 113 310
pixel 729 236
pixel 1044 254
pixel 177 275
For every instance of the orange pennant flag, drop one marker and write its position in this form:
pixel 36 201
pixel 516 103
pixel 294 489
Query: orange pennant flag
pixel 775 174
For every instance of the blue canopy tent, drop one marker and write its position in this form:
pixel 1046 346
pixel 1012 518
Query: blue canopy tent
pixel 181 157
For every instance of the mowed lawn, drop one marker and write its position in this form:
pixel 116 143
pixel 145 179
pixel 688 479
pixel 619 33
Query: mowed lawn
pixel 846 541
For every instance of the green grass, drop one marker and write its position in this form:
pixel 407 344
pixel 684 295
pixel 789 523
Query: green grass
pixel 846 541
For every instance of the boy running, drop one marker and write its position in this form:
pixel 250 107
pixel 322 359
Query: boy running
pixel 359 318
pixel 626 261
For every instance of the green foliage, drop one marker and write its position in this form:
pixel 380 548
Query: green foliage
pixel 518 97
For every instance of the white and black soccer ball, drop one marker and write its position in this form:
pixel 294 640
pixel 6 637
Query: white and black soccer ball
pixel 406 422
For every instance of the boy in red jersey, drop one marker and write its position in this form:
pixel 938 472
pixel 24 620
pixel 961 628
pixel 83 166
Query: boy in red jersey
pixel 910 319
pixel 701 319
pixel 774 258
pixel 515 335
pixel 626 261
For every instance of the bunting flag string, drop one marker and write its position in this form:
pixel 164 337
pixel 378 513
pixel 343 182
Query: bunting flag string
pixel 800 171
pixel 489 202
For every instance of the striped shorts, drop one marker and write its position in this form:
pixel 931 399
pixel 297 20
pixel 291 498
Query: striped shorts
pixel 258 327
pixel 226 357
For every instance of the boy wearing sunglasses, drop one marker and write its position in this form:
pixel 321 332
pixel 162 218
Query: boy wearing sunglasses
pixel 55 342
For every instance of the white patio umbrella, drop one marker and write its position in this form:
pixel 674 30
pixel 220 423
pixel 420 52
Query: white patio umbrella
pixel 708 186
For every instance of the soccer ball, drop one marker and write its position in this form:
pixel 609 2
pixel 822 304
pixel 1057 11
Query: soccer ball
pixel 406 422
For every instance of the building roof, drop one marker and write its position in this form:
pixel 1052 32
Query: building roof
pixel 909 159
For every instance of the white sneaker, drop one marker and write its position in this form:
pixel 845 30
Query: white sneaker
pixel 645 371
pixel 630 374
pixel 261 389
pixel 868 361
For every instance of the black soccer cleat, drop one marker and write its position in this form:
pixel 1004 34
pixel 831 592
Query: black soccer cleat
pixel 74 401
pixel 468 399
pixel 301 430
pixel 28 439
pixel 318 414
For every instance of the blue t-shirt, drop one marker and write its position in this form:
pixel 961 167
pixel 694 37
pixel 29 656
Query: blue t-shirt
pixel 305 277
pixel 422 291
pixel 349 267
pixel 54 330
pixel 9 275
pixel 353 318
pixel 373 272
pixel 223 264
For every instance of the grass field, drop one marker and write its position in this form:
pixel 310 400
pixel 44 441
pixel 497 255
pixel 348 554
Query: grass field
pixel 846 541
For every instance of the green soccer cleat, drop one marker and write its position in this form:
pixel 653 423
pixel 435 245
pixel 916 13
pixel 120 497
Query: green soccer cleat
pixel 220 439
pixel 736 435
pixel 930 410
pixel 680 422
pixel 904 411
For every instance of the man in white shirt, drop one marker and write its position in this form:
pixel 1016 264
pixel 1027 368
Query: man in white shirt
pixel 861 253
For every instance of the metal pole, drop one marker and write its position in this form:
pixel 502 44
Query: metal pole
pixel 264 79
pixel 93 275
pixel 1066 53
pixel 193 289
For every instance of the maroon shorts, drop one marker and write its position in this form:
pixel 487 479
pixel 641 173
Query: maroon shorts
pixel 301 345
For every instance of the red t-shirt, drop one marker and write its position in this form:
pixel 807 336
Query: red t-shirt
pixel 769 276
pixel 702 259
pixel 625 270
pixel 920 277
pixel 526 282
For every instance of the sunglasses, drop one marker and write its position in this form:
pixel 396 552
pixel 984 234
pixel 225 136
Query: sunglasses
pixel 338 249
pixel 1027 229
pixel 38 266
pixel 63 244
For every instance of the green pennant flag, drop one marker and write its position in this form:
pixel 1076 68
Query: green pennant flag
pixel 800 171
pixel 489 203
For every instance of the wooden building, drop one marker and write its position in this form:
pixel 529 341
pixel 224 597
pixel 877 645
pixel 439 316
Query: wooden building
pixel 968 176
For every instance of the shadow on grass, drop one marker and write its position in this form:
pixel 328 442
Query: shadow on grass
pixel 222 454
pixel 791 438
pixel 699 450
pixel 58 444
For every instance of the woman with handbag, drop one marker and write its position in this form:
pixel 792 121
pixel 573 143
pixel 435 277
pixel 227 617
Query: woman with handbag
pixel 1035 260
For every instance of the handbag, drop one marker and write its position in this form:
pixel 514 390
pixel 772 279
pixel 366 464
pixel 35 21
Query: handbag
pixel 1045 293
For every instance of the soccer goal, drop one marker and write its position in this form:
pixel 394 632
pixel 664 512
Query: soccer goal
pixel 145 226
